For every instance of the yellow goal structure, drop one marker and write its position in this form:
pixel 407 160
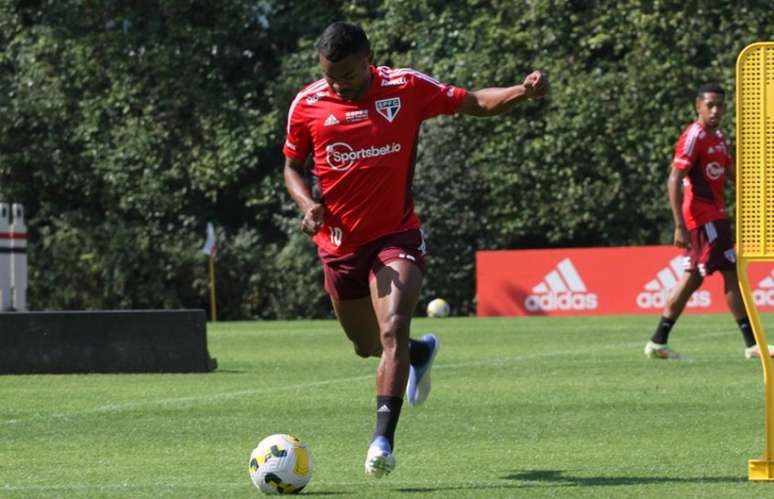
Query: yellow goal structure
pixel 755 205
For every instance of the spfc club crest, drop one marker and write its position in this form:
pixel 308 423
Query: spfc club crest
pixel 388 108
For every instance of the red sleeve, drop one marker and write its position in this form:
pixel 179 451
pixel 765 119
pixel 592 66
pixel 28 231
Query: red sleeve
pixel 434 98
pixel 298 141
pixel 687 149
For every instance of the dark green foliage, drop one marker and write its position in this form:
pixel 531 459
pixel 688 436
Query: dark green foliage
pixel 587 166
pixel 128 125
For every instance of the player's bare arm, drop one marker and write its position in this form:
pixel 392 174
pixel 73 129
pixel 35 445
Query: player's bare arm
pixel 497 100
pixel 301 192
pixel 675 190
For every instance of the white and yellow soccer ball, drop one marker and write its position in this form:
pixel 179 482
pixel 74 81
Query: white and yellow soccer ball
pixel 281 464
pixel 438 308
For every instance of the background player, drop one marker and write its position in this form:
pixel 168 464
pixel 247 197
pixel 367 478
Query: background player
pixel 701 163
pixel 361 123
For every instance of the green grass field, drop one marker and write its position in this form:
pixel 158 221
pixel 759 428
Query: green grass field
pixel 538 407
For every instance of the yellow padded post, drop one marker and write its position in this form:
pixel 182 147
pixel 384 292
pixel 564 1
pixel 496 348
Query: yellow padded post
pixel 755 206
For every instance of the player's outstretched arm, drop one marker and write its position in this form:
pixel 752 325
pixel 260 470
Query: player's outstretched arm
pixel 301 192
pixel 497 100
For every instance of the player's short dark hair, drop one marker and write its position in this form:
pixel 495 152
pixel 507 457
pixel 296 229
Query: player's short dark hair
pixel 342 39
pixel 709 88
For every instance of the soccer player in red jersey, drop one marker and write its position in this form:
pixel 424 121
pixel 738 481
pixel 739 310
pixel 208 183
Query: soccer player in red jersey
pixel 360 123
pixel 700 166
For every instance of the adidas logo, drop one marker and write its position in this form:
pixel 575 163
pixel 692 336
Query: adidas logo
pixel 331 120
pixel 383 408
pixel 561 289
pixel 657 290
pixel 764 295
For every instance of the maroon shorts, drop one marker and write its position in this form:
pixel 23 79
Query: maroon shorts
pixel 712 248
pixel 347 276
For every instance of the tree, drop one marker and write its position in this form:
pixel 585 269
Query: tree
pixel 127 126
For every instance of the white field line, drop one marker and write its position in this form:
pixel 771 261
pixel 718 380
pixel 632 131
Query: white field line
pixel 493 362
pixel 113 487
pixel 108 408
pixel 577 351
pixel 364 485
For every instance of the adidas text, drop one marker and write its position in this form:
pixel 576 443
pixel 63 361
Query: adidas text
pixel 763 297
pixel 561 301
pixel 657 299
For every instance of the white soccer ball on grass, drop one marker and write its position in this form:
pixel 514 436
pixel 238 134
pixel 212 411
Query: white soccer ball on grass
pixel 281 464
pixel 438 308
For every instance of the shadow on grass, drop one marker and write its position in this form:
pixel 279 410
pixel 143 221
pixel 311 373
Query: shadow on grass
pixel 478 487
pixel 557 478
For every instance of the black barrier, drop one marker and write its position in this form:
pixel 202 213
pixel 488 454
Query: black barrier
pixel 104 341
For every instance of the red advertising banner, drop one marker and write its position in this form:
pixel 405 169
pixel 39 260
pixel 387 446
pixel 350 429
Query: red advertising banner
pixel 598 281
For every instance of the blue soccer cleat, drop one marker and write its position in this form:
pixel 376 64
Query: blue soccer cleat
pixel 418 387
pixel 379 460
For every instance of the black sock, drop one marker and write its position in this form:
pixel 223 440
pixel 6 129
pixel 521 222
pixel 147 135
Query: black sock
pixel 747 332
pixel 419 352
pixel 661 336
pixel 387 414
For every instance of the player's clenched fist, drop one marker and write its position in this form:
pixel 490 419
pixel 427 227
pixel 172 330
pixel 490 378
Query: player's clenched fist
pixel 682 239
pixel 313 219
pixel 536 84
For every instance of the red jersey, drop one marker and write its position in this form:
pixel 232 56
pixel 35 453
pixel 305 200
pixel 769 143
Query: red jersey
pixel 364 152
pixel 704 156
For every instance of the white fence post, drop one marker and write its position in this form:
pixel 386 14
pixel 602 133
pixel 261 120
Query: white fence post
pixel 18 258
pixel 5 257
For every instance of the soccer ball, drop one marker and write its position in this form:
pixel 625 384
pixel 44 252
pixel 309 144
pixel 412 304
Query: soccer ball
pixel 438 308
pixel 281 464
